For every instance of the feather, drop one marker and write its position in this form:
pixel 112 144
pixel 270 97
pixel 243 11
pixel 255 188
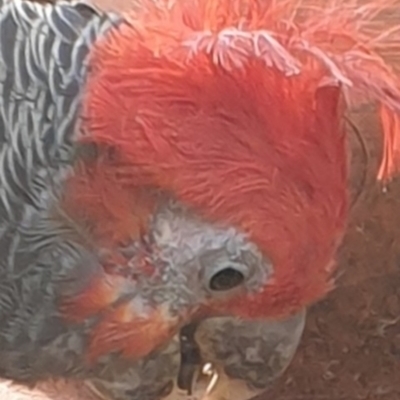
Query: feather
pixel 341 39
pixel 134 334
pixel 101 292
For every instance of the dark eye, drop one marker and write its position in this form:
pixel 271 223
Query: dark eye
pixel 225 279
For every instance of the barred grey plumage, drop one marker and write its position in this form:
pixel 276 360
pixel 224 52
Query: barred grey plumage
pixel 43 67
pixel 43 50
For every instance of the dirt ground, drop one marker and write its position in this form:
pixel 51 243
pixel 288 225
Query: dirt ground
pixel 351 346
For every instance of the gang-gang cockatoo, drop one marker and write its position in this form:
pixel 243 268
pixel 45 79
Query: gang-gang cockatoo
pixel 181 164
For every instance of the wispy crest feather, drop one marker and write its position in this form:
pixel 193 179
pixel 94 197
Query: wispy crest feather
pixel 345 38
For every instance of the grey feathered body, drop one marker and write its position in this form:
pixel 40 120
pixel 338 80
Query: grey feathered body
pixel 42 72
pixel 43 64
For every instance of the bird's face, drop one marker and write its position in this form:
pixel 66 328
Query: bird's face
pixel 179 239
pixel 199 202
pixel 219 182
pixel 178 269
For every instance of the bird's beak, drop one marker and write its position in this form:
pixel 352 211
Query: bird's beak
pixel 235 359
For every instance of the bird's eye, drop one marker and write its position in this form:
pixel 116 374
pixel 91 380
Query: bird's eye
pixel 226 279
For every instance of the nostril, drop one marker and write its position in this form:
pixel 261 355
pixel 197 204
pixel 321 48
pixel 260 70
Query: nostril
pixel 226 279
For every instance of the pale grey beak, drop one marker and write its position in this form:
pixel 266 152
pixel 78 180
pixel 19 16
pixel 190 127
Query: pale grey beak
pixel 241 359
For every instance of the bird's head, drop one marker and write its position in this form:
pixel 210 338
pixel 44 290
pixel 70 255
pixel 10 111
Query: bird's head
pixel 214 166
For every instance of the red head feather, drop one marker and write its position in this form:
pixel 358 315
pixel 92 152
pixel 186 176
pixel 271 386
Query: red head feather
pixel 234 106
